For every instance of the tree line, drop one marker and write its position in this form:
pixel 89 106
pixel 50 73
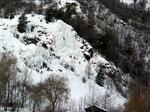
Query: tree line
pixel 20 93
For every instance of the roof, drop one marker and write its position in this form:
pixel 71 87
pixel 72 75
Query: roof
pixel 96 109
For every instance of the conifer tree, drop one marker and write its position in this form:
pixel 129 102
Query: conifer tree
pixel 22 24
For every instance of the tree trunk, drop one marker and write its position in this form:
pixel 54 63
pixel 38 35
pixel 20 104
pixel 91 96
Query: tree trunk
pixel 34 107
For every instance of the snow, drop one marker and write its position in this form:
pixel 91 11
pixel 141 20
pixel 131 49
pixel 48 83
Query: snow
pixel 148 4
pixel 132 1
pixel 127 1
pixel 66 58
pixel 62 3
pixel 37 2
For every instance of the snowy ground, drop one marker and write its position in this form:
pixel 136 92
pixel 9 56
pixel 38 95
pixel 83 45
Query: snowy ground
pixel 127 1
pixel 131 1
pixel 58 50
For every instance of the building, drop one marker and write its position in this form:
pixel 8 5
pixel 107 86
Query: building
pixel 94 108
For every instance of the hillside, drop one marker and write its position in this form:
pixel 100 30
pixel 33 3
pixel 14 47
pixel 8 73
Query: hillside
pixel 43 52
pixel 100 49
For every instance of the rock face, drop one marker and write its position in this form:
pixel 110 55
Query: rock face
pixel 55 48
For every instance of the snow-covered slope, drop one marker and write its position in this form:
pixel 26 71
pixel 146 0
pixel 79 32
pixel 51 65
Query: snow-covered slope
pixel 148 4
pixel 127 1
pixel 60 3
pixel 55 48
pixel 132 1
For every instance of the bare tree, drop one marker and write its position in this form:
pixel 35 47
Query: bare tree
pixel 7 80
pixel 24 84
pixel 55 89
pixel 36 97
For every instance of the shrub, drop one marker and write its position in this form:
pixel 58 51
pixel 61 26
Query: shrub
pixel 101 75
pixel 53 13
pixel 22 24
